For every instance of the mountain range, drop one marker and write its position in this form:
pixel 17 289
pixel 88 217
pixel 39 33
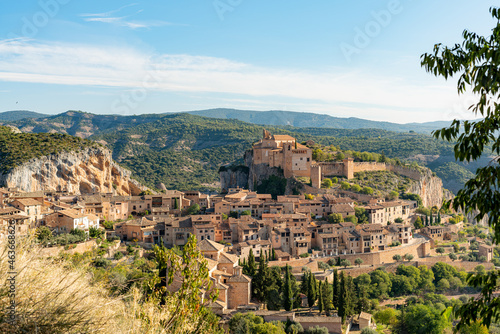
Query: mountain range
pixel 271 117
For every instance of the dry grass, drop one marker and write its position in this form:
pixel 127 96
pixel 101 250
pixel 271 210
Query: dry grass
pixel 53 297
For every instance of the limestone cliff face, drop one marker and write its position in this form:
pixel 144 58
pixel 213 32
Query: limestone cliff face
pixel 430 189
pixel 88 171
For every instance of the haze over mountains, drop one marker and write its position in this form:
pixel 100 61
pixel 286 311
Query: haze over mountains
pixel 271 117
pixel 185 150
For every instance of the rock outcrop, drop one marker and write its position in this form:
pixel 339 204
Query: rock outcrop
pixel 88 171
pixel 430 188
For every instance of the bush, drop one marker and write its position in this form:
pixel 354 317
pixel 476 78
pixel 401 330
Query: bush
pixel 118 255
pixel 304 255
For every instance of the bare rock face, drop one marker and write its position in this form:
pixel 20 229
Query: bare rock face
pixel 89 171
pixel 430 188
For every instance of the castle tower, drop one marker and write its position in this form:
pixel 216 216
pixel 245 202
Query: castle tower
pixel 348 168
pixel 316 176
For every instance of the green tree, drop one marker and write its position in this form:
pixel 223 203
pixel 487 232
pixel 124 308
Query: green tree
pixel 422 319
pixel 418 223
pixel 311 290
pixel 440 250
pixel 475 62
pixel 321 304
pixel 327 183
pixel 335 289
pixel 176 204
pixel 287 291
pixel 397 257
pixel 191 269
pixel 356 188
pixel 260 281
pixel 251 267
pixel 345 185
pixel 335 218
pixel 358 262
pixel 345 263
pixel 452 256
pixel 43 234
pixel 393 195
pixel 246 213
pixel 408 257
pixel 192 210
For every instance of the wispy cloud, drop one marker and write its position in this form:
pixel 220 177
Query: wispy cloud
pixel 346 92
pixel 123 20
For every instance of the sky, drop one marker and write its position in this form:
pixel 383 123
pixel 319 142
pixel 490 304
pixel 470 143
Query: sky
pixel 343 58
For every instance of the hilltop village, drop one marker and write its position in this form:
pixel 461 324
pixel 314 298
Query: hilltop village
pixel 307 232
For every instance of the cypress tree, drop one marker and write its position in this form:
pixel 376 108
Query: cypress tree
pixel 311 290
pixel 336 289
pixel 426 220
pixel 176 204
pixel 261 280
pixel 439 218
pixel 321 305
pixel 273 254
pixel 350 296
pixel 430 220
pixel 327 297
pixel 251 266
pixel 287 291
pixel 343 296
pixel 304 283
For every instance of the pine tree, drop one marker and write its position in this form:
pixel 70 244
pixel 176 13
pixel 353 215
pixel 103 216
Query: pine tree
pixel 287 291
pixel 336 289
pixel 321 305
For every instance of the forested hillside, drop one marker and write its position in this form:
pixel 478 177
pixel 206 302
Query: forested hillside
pixel 184 151
pixel 16 148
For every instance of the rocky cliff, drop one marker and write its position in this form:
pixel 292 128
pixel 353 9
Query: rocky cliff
pixel 430 188
pixel 87 171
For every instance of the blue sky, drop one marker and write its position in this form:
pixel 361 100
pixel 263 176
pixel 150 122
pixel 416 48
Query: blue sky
pixel 339 57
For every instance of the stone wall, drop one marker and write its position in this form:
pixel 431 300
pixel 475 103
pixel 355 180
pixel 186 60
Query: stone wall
pixel 80 248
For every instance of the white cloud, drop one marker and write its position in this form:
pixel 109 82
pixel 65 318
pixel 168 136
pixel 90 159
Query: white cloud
pixel 353 93
pixel 123 21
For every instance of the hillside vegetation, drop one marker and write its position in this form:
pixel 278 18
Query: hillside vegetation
pixel 184 151
pixel 17 148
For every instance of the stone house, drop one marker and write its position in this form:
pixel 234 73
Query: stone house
pixel 66 220
pixel 177 231
pixel 258 247
pixel 31 207
pixel 140 229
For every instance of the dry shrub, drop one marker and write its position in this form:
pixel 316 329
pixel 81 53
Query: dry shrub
pixel 54 297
